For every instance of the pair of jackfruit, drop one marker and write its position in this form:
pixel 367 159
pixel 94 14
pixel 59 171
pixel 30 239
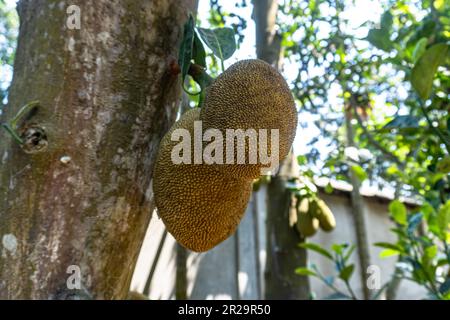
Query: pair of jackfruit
pixel 202 204
pixel 313 213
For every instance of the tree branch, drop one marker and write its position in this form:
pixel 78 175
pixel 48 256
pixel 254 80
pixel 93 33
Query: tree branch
pixel 371 139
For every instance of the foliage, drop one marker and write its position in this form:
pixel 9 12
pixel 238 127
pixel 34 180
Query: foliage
pixel 340 256
pixel 221 42
pixel 425 254
pixel 341 72
pixel 218 17
pixel 393 83
pixel 423 246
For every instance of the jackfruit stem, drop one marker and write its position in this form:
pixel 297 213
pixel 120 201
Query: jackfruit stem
pixel 199 74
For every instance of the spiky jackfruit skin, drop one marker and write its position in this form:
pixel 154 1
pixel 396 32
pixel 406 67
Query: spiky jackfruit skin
pixel 199 206
pixel 251 94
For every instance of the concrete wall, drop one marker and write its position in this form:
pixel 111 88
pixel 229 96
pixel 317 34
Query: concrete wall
pixel 235 268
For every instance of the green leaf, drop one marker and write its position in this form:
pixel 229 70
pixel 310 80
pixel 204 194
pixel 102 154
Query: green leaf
pixel 198 52
pixel 305 272
pixel 316 248
pixel 379 39
pixel 400 232
pixel 359 172
pixel 349 252
pixel 419 49
pixel 386 21
pixel 337 248
pixel 302 160
pixel 347 272
pixel 387 245
pixel 184 60
pixel 388 253
pixel 427 210
pixel 430 252
pixel 443 219
pixel 419 274
pixel 442 262
pixel 398 212
pixel 427 261
pixel 423 72
pixel 402 122
pixel 439 4
pixel 329 188
pixel 12 132
pixel 443 165
pixel 221 41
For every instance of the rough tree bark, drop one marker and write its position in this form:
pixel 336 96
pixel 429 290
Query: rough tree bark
pixel 107 92
pixel 283 253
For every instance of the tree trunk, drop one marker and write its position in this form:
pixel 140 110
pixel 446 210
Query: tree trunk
pixel 181 282
pixel 283 253
pixel 268 41
pixel 108 91
pixel 358 213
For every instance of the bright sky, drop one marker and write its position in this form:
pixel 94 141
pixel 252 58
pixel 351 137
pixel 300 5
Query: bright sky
pixel 10 3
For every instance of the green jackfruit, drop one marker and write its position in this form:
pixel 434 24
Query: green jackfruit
pixel 307 225
pixel 323 213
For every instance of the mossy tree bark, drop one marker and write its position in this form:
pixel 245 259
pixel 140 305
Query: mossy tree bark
pixel 108 92
pixel 283 253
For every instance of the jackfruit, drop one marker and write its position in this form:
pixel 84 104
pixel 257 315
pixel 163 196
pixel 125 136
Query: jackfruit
pixel 251 94
pixel 307 225
pixel 133 295
pixel 322 212
pixel 199 206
